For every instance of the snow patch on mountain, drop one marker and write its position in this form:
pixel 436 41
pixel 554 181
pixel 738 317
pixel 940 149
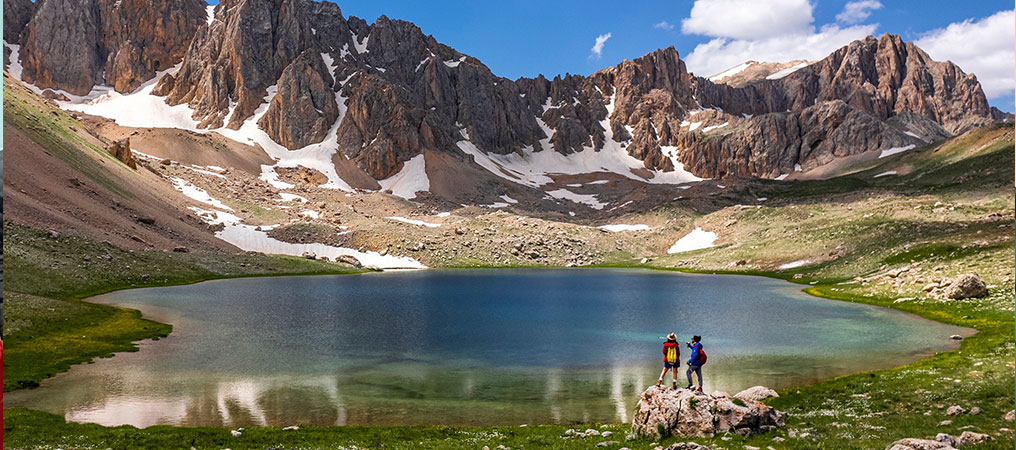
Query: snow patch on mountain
pixel 360 47
pixel 287 197
pixel 533 168
pixel 787 71
pixel 196 193
pixel 249 238
pixel 731 71
pixel 895 150
pixel 587 199
pixel 414 222
pixel 14 68
pixel 410 180
pixel 695 240
pixel 455 63
pixel 794 264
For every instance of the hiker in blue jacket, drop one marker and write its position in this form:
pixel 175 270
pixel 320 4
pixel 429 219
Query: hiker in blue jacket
pixel 696 360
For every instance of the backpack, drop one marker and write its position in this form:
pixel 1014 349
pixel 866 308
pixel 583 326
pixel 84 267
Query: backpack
pixel 701 357
pixel 672 355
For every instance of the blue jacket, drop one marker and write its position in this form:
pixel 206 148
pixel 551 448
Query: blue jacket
pixel 695 347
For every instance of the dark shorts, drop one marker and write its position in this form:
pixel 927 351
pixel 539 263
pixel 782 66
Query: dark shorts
pixel 667 365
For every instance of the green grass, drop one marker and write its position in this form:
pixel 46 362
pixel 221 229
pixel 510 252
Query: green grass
pixel 47 326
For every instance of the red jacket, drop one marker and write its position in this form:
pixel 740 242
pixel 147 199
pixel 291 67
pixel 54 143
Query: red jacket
pixel 669 344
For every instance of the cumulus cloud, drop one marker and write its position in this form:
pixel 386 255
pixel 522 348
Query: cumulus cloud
pixel 720 54
pixel 597 50
pixel 983 47
pixel 664 25
pixel 748 19
pixel 764 30
pixel 859 11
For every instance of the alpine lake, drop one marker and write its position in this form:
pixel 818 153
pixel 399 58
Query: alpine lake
pixel 466 347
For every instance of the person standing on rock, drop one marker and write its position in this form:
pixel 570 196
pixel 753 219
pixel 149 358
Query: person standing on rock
pixel 671 358
pixel 698 357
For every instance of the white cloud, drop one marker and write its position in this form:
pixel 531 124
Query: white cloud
pixel 858 11
pixel 983 47
pixel 748 19
pixel 664 25
pixel 720 54
pixel 597 50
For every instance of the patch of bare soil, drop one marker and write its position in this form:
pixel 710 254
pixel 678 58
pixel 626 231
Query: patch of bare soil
pixel 187 147
pixel 130 209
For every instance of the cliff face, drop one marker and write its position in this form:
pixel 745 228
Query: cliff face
pixel 17 13
pixel 403 92
pixel 76 44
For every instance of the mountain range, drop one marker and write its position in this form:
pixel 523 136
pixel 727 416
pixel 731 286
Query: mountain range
pixel 367 106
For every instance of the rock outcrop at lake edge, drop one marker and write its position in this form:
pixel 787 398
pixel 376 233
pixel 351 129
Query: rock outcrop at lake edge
pixel 942 441
pixel 665 412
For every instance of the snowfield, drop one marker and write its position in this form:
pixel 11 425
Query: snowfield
pixel 198 194
pixel 695 240
pixel 248 238
pixel 287 197
pixel 586 199
pixel 794 264
pixel 413 221
pixel 730 72
pixel 534 168
pixel 787 71
pixel 895 150
pixel 410 180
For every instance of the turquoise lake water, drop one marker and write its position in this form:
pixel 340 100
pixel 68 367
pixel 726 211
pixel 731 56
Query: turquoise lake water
pixel 477 347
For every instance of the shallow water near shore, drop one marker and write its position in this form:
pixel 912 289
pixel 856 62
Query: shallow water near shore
pixel 465 347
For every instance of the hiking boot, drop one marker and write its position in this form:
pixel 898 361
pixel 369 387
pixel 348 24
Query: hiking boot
pixel 689 386
pixel 674 386
pixel 659 383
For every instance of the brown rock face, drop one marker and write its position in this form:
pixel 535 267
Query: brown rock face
pixel 76 44
pixel 60 46
pixel 142 37
pixel 17 13
pixel 381 129
pixel 887 76
pixel 237 57
pixel 304 108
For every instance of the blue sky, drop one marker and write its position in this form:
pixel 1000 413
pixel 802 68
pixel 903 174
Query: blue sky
pixel 528 37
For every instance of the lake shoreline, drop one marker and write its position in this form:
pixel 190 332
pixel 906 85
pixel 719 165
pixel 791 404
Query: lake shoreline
pixel 34 424
pixel 166 316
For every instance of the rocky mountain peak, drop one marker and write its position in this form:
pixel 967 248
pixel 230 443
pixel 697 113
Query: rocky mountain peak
pixel 390 92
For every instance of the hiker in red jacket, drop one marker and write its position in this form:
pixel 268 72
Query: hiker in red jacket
pixel 671 359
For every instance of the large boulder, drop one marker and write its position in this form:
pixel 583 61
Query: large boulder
pixel 756 394
pixel 121 150
pixel 919 444
pixel 967 286
pixel 942 441
pixel 682 412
